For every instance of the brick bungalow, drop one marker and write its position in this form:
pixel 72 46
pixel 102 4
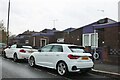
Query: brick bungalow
pixel 64 36
pixel 109 40
pixel 46 36
pixel 103 34
pixel 25 38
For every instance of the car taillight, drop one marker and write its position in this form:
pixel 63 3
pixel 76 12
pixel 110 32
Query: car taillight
pixel 23 51
pixel 70 56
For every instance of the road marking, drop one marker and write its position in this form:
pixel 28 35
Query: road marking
pixel 51 74
pixel 18 63
pixel 37 69
pixel 106 72
pixel 26 65
pixel 67 78
pixel 12 61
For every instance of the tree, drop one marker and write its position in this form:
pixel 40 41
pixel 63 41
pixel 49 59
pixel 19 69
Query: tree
pixel 2 32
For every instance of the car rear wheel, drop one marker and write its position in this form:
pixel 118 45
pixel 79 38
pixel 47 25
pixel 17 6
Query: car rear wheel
pixel 62 68
pixel 31 61
pixel 15 58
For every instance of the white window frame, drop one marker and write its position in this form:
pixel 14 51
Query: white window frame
pixel 90 40
pixel 84 40
pixel 34 41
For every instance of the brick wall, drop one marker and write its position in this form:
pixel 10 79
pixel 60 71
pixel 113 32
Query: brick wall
pixel 111 37
pixel 76 36
pixel 111 45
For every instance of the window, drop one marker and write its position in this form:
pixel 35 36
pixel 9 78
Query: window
pixel 19 46
pixel 57 48
pixel 14 46
pixel 46 48
pixel 86 40
pixel 90 40
pixel 76 49
pixel 94 40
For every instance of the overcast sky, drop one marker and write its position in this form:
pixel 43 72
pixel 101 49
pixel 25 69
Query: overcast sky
pixel 39 14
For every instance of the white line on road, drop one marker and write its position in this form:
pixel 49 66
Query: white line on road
pixel 37 69
pixel 18 63
pixel 52 74
pixel 12 61
pixel 107 72
pixel 26 65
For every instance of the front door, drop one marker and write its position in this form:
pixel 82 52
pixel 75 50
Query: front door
pixel 42 42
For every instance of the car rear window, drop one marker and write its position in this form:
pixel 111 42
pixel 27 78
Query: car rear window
pixel 19 46
pixel 76 49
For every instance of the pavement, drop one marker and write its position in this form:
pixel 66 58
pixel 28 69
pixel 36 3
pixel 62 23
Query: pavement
pixel 106 69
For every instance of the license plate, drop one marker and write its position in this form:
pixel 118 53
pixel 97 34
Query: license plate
pixel 84 58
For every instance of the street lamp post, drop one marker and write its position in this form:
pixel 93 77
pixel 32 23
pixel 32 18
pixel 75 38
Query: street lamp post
pixel 95 54
pixel 94 40
pixel 8 23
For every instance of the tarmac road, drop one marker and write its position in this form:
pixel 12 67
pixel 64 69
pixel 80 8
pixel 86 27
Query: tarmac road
pixel 21 70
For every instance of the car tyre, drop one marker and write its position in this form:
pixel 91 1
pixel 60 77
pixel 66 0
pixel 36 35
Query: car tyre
pixel 15 58
pixel 62 68
pixel 31 61
pixel 4 54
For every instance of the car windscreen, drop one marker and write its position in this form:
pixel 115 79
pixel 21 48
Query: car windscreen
pixel 21 46
pixel 76 49
pixel 28 47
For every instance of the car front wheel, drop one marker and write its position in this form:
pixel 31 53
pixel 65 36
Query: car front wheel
pixel 15 58
pixel 4 54
pixel 62 68
pixel 31 61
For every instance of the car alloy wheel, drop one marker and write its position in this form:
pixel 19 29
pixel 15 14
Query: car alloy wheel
pixel 62 68
pixel 15 58
pixel 31 61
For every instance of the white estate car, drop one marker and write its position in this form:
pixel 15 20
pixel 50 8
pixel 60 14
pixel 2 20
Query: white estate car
pixel 18 52
pixel 62 57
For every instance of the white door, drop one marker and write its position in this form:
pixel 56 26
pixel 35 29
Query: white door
pixel 10 51
pixel 42 42
pixel 41 58
pixel 13 49
pixel 53 55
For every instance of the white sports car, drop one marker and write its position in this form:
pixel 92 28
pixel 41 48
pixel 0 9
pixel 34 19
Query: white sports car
pixel 18 52
pixel 62 57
